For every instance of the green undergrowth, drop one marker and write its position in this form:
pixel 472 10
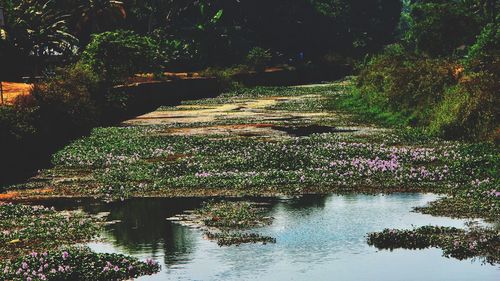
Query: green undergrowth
pixel 371 113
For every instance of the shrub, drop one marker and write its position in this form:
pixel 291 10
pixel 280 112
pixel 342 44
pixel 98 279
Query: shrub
pixel 469 109
pixel 401 82
pixel 16 125
pixel 116 55
pixel 485 53
pixel 258 58
pixel 177 53
pixel 67 101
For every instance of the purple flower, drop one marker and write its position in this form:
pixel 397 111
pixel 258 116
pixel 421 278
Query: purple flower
pixel 24 265
pixel 65 255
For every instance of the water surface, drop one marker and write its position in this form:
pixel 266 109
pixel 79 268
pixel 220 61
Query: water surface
pixel 318 238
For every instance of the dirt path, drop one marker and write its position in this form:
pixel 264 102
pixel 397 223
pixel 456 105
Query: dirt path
pixel 13 90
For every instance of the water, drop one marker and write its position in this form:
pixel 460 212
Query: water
pixel 318 238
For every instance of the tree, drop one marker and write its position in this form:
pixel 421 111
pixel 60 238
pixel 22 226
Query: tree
pixel 439 27
pixel 39 30
pixel 96 16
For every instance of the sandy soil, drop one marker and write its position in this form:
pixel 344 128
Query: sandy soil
pixel 11 90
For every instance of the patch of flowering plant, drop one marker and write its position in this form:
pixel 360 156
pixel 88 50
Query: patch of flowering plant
pixel 24 227
pixel 75 263
pixel 476 242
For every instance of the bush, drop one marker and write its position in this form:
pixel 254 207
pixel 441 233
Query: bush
pixel 258 58
pixel 16 126
pixel 68 101
pixel 117 55
pixel 485 53
pixel 400 82
pixel 177 53
pixel 470 109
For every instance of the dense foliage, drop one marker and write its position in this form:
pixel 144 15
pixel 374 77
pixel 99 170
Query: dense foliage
pixel 442 76
pixel 120 54
pixel 198 33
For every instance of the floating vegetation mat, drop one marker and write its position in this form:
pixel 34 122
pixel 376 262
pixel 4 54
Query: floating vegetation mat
pixel 475 242
pixel 226 222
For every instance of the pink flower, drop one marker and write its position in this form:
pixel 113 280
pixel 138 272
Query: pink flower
pixel 65 255
pixel 24 265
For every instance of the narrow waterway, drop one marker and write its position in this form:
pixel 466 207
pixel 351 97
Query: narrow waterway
pixel 318 238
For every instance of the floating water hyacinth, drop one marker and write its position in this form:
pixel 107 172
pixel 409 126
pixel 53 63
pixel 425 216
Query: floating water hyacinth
pixel 458 243
pixel 26 228
pixel 224 221
pixel 75 263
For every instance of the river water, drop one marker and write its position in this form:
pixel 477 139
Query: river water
pixel 321 237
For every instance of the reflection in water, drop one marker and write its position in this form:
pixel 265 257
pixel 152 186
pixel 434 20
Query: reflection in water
pixel 318 238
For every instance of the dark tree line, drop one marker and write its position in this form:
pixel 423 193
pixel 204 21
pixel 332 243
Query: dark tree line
pixel 215 31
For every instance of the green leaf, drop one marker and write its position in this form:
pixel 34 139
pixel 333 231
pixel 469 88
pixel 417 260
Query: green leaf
pixel 217 16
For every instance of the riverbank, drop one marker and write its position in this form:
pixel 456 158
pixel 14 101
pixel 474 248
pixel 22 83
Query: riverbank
pixel 270 141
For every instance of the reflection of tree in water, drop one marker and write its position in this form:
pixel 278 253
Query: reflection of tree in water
pixel 306 204
pixel 143 225
pixel 308 201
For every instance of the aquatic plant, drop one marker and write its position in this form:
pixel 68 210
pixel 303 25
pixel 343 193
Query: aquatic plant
pixel 476 242
pixel 232 215
pixel 75 263
pixel 238 238
pixel 26 228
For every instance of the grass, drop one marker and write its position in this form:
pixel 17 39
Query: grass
pixel 370 113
